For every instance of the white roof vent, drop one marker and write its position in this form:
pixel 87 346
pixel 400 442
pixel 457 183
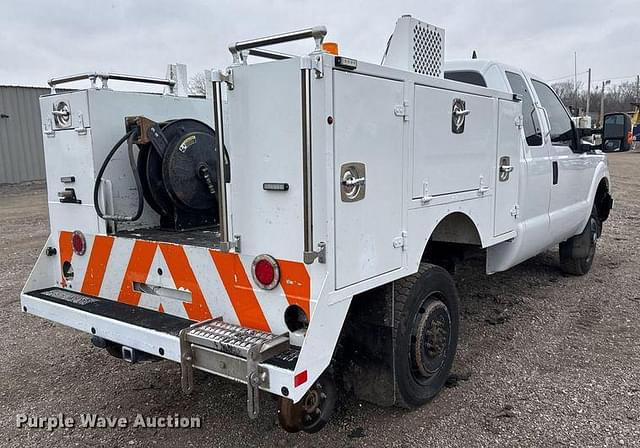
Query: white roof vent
pixel 415 46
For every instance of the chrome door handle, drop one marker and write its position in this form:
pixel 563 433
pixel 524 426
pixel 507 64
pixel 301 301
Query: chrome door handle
pixel 351 181
pixel 506 168
pixel 461 113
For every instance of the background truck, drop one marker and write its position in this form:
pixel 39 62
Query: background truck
pixel 308 235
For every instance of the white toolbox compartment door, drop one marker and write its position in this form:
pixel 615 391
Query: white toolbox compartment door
pixel 368 142
pixel 507 167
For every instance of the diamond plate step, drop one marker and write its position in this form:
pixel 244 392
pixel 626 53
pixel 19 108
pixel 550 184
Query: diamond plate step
pixel 231 351
pixel 228 338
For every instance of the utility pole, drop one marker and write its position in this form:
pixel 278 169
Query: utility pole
pixel 575 81
pixel 601 119
pixel 588 93
pixel 638 88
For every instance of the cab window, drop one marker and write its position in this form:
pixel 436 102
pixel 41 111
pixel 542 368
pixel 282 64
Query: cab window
pixel 467 77
pixel 559 120
pixel 529 115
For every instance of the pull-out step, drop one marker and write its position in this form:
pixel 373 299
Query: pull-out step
pixel 231 351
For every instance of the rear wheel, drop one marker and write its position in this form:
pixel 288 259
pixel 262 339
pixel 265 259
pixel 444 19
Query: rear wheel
pixel 578 252
pixel 311 413
pixel 426 325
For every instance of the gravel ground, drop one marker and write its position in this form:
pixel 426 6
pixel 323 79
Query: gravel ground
pixel 545 359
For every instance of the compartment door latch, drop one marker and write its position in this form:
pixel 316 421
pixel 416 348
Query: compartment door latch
pixel 352 181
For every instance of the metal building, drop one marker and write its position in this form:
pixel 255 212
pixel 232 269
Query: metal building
pixel 21 152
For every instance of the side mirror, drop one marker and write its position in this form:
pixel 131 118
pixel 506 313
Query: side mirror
pixel 617 135
pixel 585 146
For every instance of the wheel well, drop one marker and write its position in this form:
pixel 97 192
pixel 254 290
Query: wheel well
pixel 454 237
pixel 603 201
pixel 456 228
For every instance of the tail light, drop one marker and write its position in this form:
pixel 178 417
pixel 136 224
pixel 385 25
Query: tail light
pixel 265 271
pixel 630 137
pixel 78 243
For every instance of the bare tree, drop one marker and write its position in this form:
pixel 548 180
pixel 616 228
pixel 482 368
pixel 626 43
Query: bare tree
pixel 617 97
pixel 198 84
pixel 570 96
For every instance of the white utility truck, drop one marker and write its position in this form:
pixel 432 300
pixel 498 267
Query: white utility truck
pixel 308 210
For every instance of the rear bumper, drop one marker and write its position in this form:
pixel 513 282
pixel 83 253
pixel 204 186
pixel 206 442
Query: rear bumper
pixel 152 332
pixel 161 341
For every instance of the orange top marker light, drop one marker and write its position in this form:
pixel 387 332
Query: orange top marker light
pixel 330 47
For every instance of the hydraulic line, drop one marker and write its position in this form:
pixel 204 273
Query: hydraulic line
pixel 129 137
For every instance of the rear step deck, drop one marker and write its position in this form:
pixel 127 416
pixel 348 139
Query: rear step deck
pixel 111 309
pixel 228 350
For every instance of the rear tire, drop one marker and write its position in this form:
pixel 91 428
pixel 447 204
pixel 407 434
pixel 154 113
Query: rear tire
pixel 313 411
pixel 578 252
pixel 426 324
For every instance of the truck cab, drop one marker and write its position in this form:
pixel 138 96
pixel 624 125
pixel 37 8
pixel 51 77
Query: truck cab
pixel 561 176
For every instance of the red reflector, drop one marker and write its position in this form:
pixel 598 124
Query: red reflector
pixel 264 272
pixel 300 378
pixel 78 242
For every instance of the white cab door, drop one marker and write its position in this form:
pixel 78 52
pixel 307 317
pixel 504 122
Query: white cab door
pixel 368 176
pixel 572 172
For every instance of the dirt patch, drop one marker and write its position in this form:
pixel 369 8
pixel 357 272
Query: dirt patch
pixel 544 359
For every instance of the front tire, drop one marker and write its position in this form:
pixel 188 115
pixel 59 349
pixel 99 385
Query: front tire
pixel 426 323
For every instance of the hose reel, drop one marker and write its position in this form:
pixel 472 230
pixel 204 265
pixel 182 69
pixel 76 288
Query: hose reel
pixel 178 169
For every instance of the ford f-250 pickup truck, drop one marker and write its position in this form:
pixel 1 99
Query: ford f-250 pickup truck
pixel 300 222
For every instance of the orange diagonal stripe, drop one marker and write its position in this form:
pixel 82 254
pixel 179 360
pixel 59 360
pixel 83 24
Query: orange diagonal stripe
pixel 296 284
pixel 137 270
pixel 240 291
pixel 183 277
pixel 97 265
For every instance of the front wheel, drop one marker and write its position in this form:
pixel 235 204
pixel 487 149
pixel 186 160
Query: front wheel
pixel 578 252
pixel 426 324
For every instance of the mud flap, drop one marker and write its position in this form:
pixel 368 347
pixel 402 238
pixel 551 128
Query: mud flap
pixel 581 244
pixel 366 347
pixel 604 207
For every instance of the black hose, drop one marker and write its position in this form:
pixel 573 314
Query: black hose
pixel 129 137
pixel 136 176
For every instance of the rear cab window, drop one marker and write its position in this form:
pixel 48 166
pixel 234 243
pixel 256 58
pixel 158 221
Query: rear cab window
pixel 466 76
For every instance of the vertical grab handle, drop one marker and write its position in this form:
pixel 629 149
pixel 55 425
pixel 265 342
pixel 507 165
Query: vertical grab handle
pixel 307 173
pixel 225 244
pixel 305 84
